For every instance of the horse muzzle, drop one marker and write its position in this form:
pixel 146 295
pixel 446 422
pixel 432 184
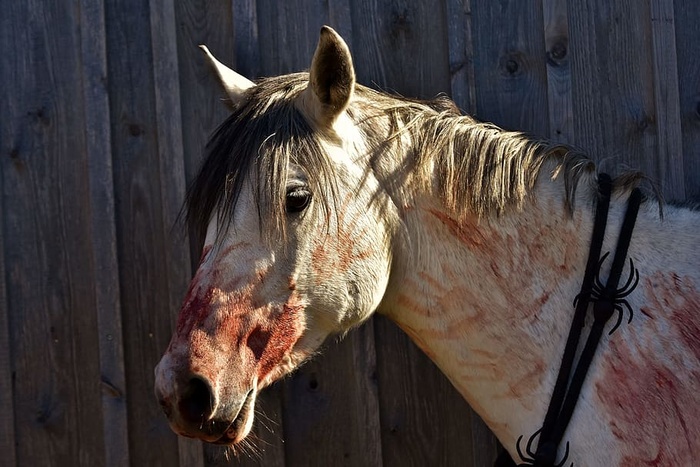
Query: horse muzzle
pixel 196 409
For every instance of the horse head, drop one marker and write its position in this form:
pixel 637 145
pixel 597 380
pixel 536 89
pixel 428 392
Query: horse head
pixel 295 249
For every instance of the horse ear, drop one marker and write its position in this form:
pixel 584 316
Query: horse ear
pixel 233 84
pixel 332 76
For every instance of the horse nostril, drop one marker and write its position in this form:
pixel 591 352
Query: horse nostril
pixel 196 402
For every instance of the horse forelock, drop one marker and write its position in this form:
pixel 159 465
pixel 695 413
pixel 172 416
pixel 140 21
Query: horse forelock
pixel 258 141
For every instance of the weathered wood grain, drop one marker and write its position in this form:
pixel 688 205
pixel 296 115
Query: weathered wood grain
pixel 142 245
pixel 201 98
pixel 331 413
pixel 210 23
pixel 8 152
pixel 401 46
pixel 424 420
pixel 168 118
pixel 461 53
pixel 483 447
pixel 340 19
pixel 556 37
pixel 288 34
pixel 7 423
pixel 246 40
pixel 511 90
pixel 686 20
pixel 103 232
pixel 612 83
pixel 511 76
pixel 48 270
pixel 669 156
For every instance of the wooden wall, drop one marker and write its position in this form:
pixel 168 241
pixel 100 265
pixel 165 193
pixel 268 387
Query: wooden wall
pixel 105 109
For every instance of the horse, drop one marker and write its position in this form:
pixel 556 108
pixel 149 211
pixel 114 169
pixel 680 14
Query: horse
pixel 322 201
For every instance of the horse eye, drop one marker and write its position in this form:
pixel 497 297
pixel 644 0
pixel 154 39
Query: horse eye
pixel 297 199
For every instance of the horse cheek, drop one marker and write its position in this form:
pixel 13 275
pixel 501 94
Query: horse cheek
pixel 273 346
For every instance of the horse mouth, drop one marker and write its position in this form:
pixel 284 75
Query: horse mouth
pixel 240 426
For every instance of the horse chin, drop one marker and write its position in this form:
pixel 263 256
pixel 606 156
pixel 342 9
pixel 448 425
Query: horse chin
pixel 242 424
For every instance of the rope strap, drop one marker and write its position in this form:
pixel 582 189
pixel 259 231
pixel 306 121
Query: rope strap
pixel 607 299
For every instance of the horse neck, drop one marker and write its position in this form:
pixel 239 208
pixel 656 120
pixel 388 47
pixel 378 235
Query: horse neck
pixel 489 300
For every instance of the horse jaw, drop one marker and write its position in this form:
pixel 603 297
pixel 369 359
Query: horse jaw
pixel 234 84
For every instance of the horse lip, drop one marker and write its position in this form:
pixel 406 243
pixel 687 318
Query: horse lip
pixel 232 432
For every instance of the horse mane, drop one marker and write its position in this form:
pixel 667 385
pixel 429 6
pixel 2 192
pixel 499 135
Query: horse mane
pixel 479 169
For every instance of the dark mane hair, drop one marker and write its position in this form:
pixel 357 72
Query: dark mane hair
pixel 480 168
pixel 262 136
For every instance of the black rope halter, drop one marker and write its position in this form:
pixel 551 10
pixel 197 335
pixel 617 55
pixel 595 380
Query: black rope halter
pixel 607 299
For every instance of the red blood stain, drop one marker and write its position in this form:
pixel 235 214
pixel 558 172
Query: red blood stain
pixel 553 249
pixel 467 233
pixel 194 310
pixel 650 380
pixel 221 328
pixel 233 247
pixel 680 296
pixel 651 411
pixel 335 254
pixel 196 302
pixel 286 329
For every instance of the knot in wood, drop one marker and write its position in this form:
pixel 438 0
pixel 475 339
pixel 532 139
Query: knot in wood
pixel 511 64
pixel 556 55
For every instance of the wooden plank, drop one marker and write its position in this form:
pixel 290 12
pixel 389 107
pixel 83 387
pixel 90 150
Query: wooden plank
pixel 331 413
pixel 509 85
pixel 687 17
pixel 7 422
pixel 556 37
pixel 49 275
pixel 202 109
pixel 402 46
pixel 669 157
pixel 142 244
pixel 210 23
pixel 265 441
pixel 246 41
pixel 511 76
pixel 340 19
pixel 461 52
pixel 612 83
pixel 103 233
pixel 168 119
pixel 8 151
pixel 288 34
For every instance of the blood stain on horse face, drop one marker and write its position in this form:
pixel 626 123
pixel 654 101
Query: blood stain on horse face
pixel 285 330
